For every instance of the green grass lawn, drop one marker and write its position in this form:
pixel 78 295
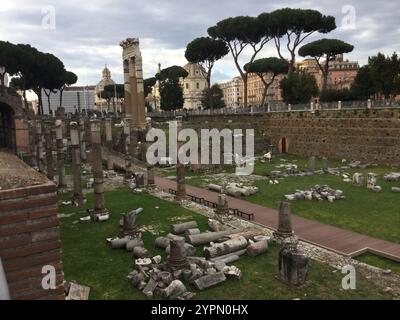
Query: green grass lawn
pixel 380 262
pixel 363 211
pixel 88 260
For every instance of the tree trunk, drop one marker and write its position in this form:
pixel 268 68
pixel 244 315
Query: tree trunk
pixel 48 101
pixel 210 100
pixel 263 97
pixel 2 81
pixel 25 99
pixel 61 96
pixel 244 91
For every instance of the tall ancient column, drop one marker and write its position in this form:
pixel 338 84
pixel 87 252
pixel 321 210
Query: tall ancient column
pixel 180 168
pixel 39 144
pixel 78 196
pixel 128 158
pixel 49 149
pixel 82 139
pixel 60 154
pixel 110 165
pixel 133 79
pixel 32 142
pixel 97 168
pixel 150 168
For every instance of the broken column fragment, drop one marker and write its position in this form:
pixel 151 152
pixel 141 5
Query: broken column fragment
pixel 182 227
pixel 99 212
pixel 129 226
pixel 49 150
pixel 285 220
pixel 207 237
pixel 108 125
pixel 180 167
pixel 209 280
pixel 177 259
pixel 78 196
pixel 60 154
pixel 257 248
pixel 225 247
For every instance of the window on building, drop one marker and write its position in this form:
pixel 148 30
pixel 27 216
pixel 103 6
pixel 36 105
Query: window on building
pixel 187 85
pixel 198 85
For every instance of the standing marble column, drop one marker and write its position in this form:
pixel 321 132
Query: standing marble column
pixel 99 212
pixel 39 143
pixel 32 142
pixel 82 139
pixel 110 164
pixel 60 154
pixel 150 168
pixel 128 158
pixel 78 196
pixel 285 221
pixel 180 168
pixel 49 149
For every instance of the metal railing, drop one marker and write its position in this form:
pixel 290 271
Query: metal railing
pixel 280 107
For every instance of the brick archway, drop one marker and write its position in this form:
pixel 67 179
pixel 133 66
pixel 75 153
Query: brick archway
pixel 14 135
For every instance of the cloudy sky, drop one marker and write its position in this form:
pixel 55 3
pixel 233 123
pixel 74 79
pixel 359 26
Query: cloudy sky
pixel 85 35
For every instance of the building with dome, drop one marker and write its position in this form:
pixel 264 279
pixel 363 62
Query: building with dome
pixel 105 81
pixel 193 86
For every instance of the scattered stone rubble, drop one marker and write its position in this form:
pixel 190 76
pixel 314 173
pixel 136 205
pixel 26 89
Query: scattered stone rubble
pixel 234 189
pixel 317 192
pixel 392 176
pixel 381 277
pixel 169 279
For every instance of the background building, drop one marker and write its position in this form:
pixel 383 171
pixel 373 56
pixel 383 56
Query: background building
pixel 74 98
pixel 193 86
pixel 341 72
pixel 255 89
pixel 232 92
pixel 106 80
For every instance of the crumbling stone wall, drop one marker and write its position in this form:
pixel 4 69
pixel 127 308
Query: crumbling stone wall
pixel 365 135
pixel 29 230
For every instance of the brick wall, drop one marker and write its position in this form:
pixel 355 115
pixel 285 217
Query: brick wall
pixel 30 239
pixel 365 135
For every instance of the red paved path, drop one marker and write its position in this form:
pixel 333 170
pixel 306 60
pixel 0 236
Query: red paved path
pixel 332 238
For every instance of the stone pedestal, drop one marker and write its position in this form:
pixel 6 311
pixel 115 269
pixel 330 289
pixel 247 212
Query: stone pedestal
pixel 78 196
pixel 285 221
pixel 180 168
pixel 293 265
pixel 97 169
pixel 49 150
pixel 60 155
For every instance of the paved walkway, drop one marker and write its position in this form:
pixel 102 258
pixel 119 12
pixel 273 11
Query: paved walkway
pixel 344 242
